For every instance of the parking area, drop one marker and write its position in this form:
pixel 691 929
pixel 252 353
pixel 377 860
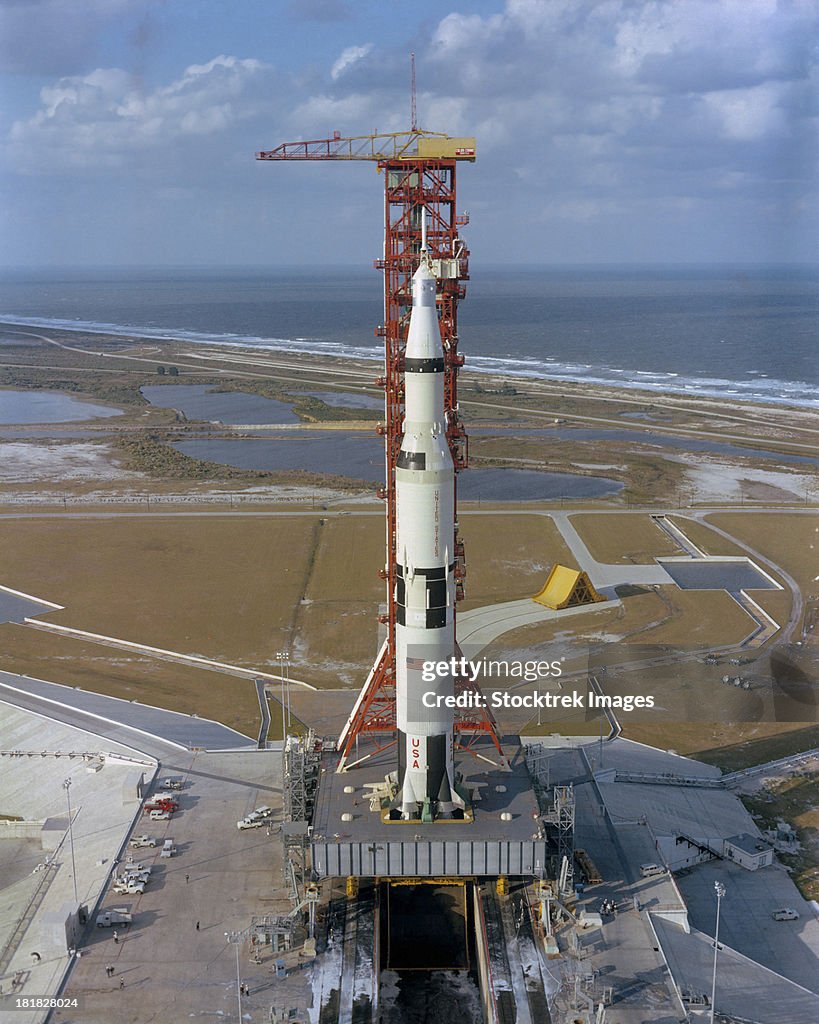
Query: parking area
pixel 731 574
pixel 790 948
pixel 174 961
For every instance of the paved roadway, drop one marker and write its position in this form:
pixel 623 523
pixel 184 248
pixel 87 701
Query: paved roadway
pixel 480 626
pixel 119 720
pixel 15 608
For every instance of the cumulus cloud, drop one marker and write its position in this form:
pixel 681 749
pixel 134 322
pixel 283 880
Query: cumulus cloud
pixel 596 120
pixel 611 99
pixel 104 118
pixel 352 55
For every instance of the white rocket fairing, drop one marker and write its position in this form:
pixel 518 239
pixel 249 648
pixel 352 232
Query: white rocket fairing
pixel 425 570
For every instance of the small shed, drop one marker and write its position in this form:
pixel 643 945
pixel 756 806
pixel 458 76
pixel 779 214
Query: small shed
pixel 751 852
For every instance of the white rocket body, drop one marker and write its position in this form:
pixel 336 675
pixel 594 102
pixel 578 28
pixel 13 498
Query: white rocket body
pixel 425 570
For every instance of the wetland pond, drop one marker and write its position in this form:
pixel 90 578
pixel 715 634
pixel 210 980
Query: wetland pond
pixel 339 452
pixel 361 456
pixel 22 407
pixel 202 402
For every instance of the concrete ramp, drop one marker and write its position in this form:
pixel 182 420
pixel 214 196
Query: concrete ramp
pixel 745 989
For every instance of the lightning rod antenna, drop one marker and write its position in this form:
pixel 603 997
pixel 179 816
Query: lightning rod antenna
pixel 413 110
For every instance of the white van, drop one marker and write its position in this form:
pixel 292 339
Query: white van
pixel 647 870
pixel 168 849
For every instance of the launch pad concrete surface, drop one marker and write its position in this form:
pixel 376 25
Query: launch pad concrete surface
pixel 489 845
pixel 37 873
pixel 219 878
pixel 175 960
pixel 664 923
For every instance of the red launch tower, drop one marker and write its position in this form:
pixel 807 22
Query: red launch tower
pixel 419 169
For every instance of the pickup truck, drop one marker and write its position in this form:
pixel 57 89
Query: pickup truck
pixel 139 841
pixel 143 873
pixel 785 914
pixel 159 803
pixel 128 887
pixel 127 882
pixel 251 822
pixel 112 918
pixel 174 782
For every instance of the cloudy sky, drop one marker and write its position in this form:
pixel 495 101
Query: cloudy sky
pixel 608 130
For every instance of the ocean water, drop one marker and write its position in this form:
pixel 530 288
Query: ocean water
pixel 738 332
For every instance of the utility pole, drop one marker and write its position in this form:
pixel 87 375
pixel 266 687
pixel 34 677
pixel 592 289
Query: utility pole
pixel 719 889
pixel 281 655
pixel 235 939
pixel 67 788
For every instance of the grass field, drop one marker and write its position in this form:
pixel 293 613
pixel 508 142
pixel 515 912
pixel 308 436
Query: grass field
pixel 508 557
pixel 695 714
pixel 212 586
pixel 334 635
pixel 624 538
pixel 706 540
pixel 226 699
pixel 768 742
pixel 791 541
pixel 239 589
pixel 702 618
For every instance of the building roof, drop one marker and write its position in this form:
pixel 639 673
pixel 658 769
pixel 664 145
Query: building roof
pixel 748 843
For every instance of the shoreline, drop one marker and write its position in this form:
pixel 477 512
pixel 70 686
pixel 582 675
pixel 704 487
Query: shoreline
pixel 661 448
pixel 519 371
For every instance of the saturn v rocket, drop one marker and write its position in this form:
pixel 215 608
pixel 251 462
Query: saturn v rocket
pixel 425 571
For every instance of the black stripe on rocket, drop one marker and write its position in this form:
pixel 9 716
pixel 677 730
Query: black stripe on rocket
pixel 411 460
pixel 436 602
pixel 435 365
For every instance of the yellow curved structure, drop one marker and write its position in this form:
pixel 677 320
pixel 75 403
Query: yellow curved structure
pixel 565 588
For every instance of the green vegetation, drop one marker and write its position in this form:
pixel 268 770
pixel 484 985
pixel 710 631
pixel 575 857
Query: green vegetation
pixel 148 454
pixel 746 754
pixel 152 454
pixel 796 801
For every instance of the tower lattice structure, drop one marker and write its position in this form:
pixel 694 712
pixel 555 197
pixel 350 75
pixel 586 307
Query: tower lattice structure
pixel 419 170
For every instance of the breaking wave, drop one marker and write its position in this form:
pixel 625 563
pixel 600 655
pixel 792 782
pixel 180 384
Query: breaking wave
pixel 755 387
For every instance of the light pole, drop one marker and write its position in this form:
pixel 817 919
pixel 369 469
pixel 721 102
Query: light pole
pixel 287 683
pixel 67 788
pixel 281 655
pixel 235 938
pixel 719 889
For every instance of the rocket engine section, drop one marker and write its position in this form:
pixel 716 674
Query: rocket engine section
pixel 425 571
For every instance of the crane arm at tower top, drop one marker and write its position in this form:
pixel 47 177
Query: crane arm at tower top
pixel 411 145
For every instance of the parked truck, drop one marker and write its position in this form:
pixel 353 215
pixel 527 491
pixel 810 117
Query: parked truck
pixel 161 803
pixel 113 918
pixel 139 841
pixel 128 887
